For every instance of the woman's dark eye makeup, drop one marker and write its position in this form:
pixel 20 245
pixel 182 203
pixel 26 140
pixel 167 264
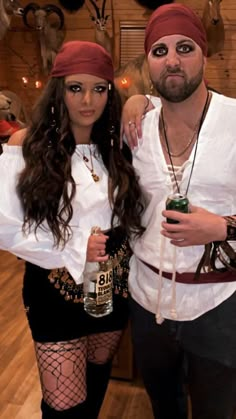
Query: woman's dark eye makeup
pixel 100 88
pixel 76 88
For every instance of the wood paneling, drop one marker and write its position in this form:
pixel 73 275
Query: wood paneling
pixel 25 61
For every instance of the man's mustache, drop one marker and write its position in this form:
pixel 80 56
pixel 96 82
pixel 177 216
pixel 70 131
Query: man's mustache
pixel 173 71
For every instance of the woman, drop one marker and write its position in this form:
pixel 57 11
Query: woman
pixel 70 176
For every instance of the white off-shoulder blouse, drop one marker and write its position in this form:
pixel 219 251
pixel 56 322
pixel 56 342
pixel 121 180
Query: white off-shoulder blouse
pixel 90 208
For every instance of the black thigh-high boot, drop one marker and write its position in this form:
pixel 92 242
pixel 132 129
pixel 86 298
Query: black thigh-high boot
pixel 97 381
pixel 77 412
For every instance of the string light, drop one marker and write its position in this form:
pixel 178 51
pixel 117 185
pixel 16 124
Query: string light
pixel 32 71
pixel 125 82
pixel 25 81
pixel 38 84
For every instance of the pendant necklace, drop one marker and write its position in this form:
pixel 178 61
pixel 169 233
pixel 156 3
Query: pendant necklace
pixel 187 145
pixel 90 167
pixel 196 145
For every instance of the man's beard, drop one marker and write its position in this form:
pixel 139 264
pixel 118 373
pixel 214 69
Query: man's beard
pixel 178 93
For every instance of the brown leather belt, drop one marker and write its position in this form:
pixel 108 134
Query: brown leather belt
pixel 189 277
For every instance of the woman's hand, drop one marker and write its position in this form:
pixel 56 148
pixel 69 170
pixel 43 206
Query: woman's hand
pixel 199 227
pixel 96 248
pixel 133 111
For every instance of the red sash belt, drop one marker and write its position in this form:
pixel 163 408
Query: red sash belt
pixel 204 278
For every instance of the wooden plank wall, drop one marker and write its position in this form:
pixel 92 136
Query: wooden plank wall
pixel 20 54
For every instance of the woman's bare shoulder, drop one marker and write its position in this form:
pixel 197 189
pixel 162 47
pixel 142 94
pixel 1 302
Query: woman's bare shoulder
pixel 18 137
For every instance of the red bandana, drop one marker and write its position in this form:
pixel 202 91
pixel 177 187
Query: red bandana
pixel 175 19
pixel 76 57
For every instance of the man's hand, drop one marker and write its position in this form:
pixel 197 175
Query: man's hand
pixel 199 227
pixel 133 111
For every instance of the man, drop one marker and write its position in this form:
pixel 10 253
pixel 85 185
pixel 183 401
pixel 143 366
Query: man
pixel 183 312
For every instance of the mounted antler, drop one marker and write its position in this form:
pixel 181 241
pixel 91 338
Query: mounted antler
pixel 50 36
pixel 102 37
pixel 7 9
pixel 214 26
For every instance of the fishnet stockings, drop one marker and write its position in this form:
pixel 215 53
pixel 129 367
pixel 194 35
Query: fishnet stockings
pixel 102 346
pixel 62 370
pixel 62 366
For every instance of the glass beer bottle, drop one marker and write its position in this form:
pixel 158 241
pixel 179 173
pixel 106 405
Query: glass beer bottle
pixel 98 283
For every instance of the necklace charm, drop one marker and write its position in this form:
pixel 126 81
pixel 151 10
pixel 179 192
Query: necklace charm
pixel 95 177
pixel 89 166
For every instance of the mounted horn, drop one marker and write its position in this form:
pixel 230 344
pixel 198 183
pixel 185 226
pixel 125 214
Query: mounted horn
pixel 51 8
pixel 103 8
pixel 31 7
pixel 96 9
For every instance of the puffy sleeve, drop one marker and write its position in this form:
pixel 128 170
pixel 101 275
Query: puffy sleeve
pixel 38 249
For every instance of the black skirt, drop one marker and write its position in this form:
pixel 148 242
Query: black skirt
pixel 53 317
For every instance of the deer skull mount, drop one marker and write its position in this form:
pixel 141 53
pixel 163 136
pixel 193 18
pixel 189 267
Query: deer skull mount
pixel 214 26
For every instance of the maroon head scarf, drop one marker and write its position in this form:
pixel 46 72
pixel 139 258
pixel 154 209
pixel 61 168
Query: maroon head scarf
pixel 173 19
pixel 76 57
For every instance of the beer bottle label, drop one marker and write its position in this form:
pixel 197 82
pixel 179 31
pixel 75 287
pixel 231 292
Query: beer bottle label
pixel 104 286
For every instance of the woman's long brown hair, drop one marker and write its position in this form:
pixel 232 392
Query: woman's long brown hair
pixel 46 187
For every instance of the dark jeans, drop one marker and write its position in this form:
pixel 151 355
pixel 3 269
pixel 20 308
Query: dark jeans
pixel 171 360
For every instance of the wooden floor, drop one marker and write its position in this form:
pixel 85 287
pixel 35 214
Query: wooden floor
pixel 19 384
